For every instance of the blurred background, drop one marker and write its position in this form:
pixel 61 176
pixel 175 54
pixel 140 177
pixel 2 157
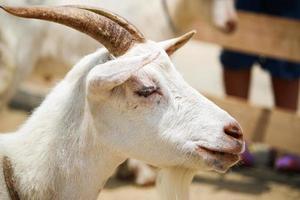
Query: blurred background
pixel 262 42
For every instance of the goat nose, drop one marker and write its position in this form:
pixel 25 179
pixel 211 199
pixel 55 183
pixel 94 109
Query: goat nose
pixel 234 130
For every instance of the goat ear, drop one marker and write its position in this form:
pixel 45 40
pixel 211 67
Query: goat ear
pixel 170 46
pixel 113 73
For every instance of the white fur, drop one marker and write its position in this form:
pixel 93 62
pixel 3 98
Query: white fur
pixel 173 183
pixel 93 120
pixel 223 13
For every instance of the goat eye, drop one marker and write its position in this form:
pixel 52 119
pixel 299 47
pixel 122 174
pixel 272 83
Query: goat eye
pixel 146 91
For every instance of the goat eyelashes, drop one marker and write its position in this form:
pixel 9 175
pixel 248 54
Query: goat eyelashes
pixel 148 91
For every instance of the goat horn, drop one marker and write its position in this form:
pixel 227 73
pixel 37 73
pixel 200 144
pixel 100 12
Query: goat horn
pixel 173 45
pixel 117 19
pixel 117 39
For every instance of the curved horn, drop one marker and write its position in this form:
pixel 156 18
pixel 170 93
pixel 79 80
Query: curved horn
pixel 116 18
pixel 114 37
pixel 172 45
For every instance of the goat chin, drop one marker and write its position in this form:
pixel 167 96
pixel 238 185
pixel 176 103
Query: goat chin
pixel 173 183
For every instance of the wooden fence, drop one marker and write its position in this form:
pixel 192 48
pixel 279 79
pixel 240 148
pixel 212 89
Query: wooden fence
pixel 260 34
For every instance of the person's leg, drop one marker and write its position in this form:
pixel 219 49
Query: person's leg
pixel 237 72
pixel 285 82
pixel 237 82
pixel 236 77
pixel 286 93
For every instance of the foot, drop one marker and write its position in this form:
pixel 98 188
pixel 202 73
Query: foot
pixel 247 159
pixel 288 163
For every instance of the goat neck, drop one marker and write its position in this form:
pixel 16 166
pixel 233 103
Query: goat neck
pixel 57 149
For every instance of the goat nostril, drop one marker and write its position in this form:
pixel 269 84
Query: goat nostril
pixel 234 131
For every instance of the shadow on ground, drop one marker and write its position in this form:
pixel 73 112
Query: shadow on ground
pixel 250 180
pixel 241 180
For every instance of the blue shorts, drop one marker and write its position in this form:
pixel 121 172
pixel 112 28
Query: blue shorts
pixel 276 67
pixel 282 8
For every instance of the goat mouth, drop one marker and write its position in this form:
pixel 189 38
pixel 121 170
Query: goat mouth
pixel 215 151
pixel 219 161
pixel 225 156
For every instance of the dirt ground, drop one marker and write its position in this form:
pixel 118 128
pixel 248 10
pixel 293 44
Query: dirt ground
pixel 238 184
pixel 246 184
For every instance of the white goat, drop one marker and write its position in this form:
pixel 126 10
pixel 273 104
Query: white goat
pixel 109 108
pixel 49 41
pixel 53 42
